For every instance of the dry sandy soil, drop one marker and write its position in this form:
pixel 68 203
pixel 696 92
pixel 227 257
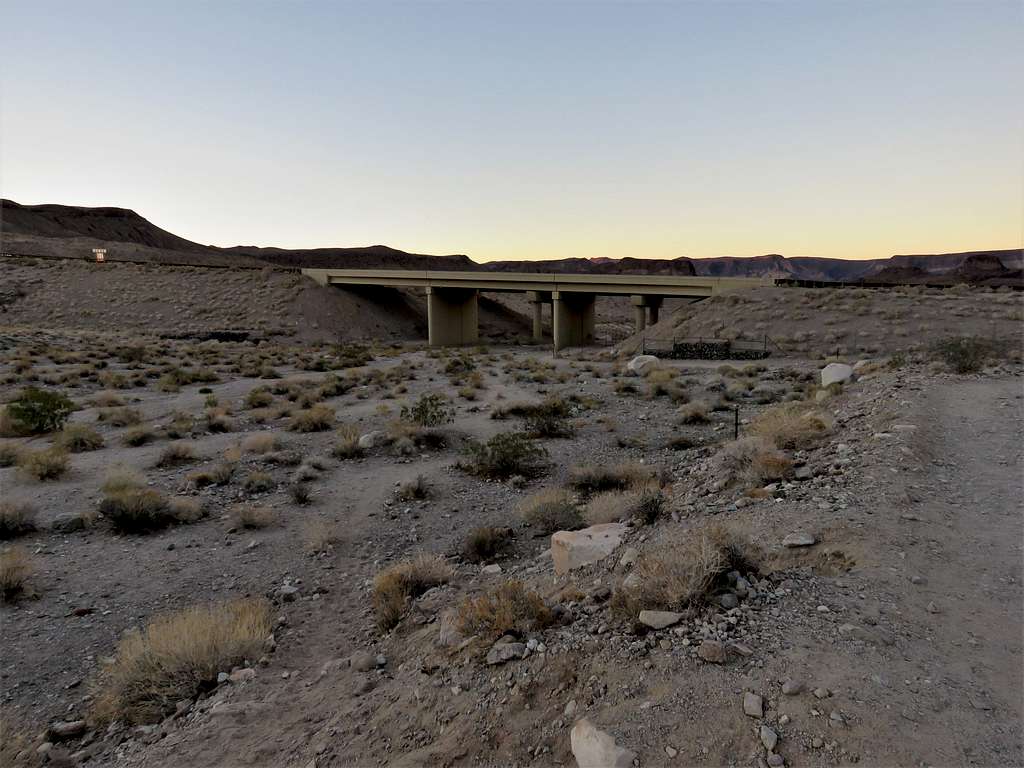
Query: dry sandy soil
pixel 902 622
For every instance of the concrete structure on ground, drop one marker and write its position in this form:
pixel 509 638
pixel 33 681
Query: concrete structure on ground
pixel 452 297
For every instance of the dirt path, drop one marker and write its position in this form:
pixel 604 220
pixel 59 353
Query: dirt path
pixel 963 510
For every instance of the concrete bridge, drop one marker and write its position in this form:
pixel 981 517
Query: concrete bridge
pixel 452 297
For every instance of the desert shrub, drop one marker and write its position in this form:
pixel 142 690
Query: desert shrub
pixel 177 656
pixel 264 442
pixel 48 464
pixel 414 489
pixel 16 518
pixel 593 478
pixel 137 510
pixel 319 418
pixel 966 354
pixel 791 425
pixel 137 436
pixel 119 417
pixel 78 438
pixel 176 454
pixel 9 454
pixel 695 412
pixel 218 421
pixel 550 510
pixel 686 571
pixel 347 446
pixel 185 510
pixel 220 474
pixel 395 586
pixel 644 504
pixel 504 455
pixel 15 571
pixel 508 608
pixel 682 443
pixel 122 479
pixel 180 426
pixel 431 410
pixel 486 543
pixel 258 482
pixel 258 398
pixel 248 516
pixel 751 461
pixel 548 421
pixel 36 411
pixel 300 492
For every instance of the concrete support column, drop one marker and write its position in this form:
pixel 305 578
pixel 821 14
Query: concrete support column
pixel 451 316
pixel 538 299
pixel 653 305
pixel 639 313
pixel 573 319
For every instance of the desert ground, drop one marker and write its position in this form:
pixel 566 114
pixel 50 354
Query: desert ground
pixel 314 541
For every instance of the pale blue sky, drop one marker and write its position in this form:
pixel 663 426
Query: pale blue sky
pixel 527 130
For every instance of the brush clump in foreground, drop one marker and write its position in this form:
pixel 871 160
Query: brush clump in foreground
pixel 175 657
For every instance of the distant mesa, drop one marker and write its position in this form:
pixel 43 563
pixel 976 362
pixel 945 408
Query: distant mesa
pixel 63 230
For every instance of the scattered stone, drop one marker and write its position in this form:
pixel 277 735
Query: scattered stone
pixel 713 652
pixel 641 365
pixel 836 373
pixel 594 748
pixel 570 709
pixel 727 600
pixel 67 523
pixel 62 731
pixel 491 570
pixel 769 738
pixel 799 539
pixel 381 660
pixel 629 556
pixel 573 549
pixel 372 439
pixel 803 473
pixel 287 593
pixel 775 761
pixel 659 619
pixel 933 608
pixel 502 652
pixel 242 675
pixel 792 687
pixel 822 693
pixel 671 751
pixel 753 705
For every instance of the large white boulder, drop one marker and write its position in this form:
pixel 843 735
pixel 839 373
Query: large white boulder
pixel 573 549
pixel 593 748
pixel 641 365
pixel 836 373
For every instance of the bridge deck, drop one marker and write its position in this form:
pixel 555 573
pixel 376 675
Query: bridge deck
pixel 657 285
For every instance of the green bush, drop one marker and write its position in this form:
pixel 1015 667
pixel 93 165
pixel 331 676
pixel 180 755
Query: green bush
pixel 429 411
pixel 966 354
pixel 38 411
pixel 504 455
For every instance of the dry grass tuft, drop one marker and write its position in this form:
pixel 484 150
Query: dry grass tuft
pixel 685 571
pixel 48 464
pixel 137 436
pixel 414 489
pixel 176 454
pixel 592 478
pixel 395 586
pixel 486 543
pixel 258 482
pixel 78 438
pixel 261 443
pixel 510 608
pixel 319 418
pixel 645 504
pixel 752 462
pixel 119 417
pixel 16 518
pixel 550 510
pixel 122 479
pixel 795 426
pixel 137 510
pixel 347 446
pixel 15 570
pixel 246 516
pixel 9 453
pixel 696 412
pixel 175 657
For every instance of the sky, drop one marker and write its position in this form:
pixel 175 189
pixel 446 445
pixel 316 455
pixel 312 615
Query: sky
pixel 527 130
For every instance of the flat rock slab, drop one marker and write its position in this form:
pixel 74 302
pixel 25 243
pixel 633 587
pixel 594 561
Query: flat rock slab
pixel 659 619
pixel 574 549
pixel 799 539
pixel 503 652
pixel 641 365
pixel 593 748
pixel 836 373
